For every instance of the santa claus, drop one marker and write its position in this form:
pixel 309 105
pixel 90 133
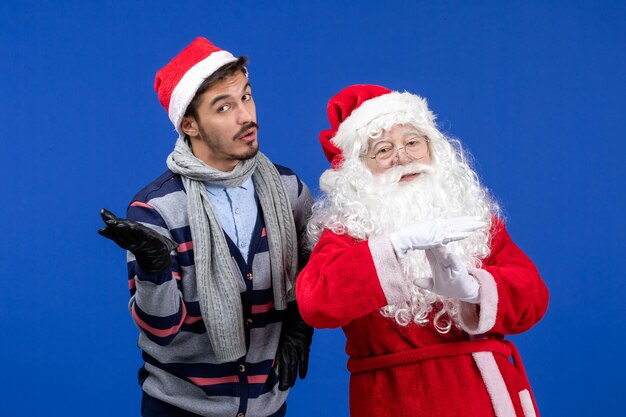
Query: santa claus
pixel 413 261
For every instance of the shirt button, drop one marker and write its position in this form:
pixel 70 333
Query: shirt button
pixel 242 368
pixel 242 244
pixel 249 276
pixel 236 211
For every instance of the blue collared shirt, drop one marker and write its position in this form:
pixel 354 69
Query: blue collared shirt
pixel 236 211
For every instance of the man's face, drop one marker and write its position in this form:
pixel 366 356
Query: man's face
pixel 401 145
pixel 225 131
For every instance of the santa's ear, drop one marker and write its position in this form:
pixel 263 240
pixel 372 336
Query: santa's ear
pixel 189 125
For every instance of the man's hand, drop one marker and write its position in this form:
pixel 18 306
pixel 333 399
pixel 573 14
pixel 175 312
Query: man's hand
pixel 432 233
pixel 151 249
pixel 450 277
pixel 293 348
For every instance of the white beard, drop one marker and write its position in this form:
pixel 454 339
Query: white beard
pixel 362 205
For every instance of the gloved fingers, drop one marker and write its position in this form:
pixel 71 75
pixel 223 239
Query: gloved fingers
pixel 171 245
pixel 460 228
pixel 450 276
pixel 465 223
pixel 425 283
pixel 107 216
pixel 282 385
pixel 438 254
pixel 106 232
pixel 287 368
pixel 440 274
pixel 118 229
pixel 445 262
pixel 428 234
pixel 141 233
pixel 293 366
pixel 454 263
pixel 283 378
pixel 118 233
pixel 125 236
pixel 111 221
pixel 453 236
pixel 446 258
pixel 304 363
pixel 131 231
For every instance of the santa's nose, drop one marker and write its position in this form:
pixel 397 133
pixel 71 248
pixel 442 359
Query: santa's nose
pixel 402 157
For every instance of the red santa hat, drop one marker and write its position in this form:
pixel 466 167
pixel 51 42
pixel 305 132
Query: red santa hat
pixel 177 82
pixel 358 105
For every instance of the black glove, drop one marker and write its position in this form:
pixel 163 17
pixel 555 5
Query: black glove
pixel 151 249
pixel 293 349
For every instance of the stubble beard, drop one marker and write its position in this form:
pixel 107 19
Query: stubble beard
pixel 249 153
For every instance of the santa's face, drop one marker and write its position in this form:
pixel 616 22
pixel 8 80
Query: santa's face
pixel 401 145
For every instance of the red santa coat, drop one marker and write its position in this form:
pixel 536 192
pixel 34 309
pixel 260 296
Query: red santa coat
pixel 415 370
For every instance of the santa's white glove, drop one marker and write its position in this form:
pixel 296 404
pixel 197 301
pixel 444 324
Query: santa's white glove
pixel 450 277
pixel 431 233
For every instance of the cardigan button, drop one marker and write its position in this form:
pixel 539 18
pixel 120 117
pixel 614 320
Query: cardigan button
pixel 242 368
pixel 248 322
pixel 249 276
pixel 241 415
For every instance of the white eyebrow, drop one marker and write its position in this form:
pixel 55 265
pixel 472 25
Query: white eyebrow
pixel 411 132
pixel 408 132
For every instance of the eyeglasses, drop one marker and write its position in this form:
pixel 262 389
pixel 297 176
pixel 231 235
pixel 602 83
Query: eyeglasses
pixel 415 148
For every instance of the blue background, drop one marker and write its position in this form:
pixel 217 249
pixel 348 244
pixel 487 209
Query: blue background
pixel 535 90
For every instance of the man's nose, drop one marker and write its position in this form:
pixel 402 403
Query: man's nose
pixel 245 115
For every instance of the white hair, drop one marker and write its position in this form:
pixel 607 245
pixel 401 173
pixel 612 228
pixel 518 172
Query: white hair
pixel 361 205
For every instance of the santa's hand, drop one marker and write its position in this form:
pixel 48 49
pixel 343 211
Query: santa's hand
pixel 151 249
pixel 450 277
pixel 432 233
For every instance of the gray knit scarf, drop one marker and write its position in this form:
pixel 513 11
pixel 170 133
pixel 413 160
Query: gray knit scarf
pixel 218 292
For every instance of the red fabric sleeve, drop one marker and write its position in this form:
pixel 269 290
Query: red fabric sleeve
pixel 339 283
pixel 522 294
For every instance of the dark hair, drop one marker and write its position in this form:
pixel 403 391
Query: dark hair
pixel 222 73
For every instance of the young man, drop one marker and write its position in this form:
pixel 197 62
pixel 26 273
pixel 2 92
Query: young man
pixel 219 326
pixel 413 262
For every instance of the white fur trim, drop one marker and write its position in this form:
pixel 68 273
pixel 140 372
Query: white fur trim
pixel 469 318
pixel 186 88
pixel 388 270
pixel 394 102
pixel 527 404
pixel 494 382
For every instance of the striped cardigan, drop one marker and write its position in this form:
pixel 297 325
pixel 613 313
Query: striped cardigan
pixel 179 365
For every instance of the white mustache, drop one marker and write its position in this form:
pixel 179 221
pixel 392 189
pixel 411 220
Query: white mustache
pixel 396 173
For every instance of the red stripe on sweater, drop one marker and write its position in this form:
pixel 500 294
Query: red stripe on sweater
pixel 192 319
pixel 140 204
pixel 214 381
pixel 257 379
pixel 159 332
pixel 185 246
pixel 262 308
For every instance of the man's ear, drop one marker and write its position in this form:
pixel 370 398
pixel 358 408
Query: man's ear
pixel 189 126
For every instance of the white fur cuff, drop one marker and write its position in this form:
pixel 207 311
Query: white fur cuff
pixel 388 270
